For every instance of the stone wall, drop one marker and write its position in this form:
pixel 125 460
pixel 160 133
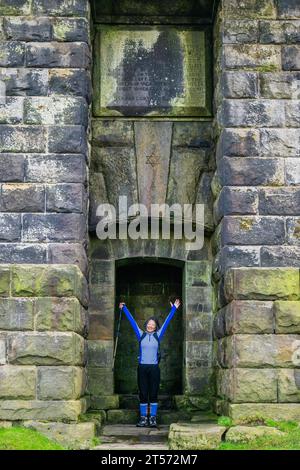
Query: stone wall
pixel 44 111
pixel 257 195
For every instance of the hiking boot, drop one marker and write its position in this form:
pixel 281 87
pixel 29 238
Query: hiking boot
pixel 152 422
pixel 143 422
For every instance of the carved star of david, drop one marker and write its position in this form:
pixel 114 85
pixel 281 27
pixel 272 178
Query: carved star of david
pixel 152 160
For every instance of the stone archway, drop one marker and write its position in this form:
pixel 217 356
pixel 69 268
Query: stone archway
pixel 146 286
pixel 196 370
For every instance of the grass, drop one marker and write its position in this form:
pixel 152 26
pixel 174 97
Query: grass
pixel 290 440
pixel 18 438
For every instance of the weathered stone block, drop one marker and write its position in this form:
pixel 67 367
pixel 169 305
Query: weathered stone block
pixel 253 56
pixel 287 316
pixel 12 54
pixel 49 281
pixel 184 436
pixel 53 227
pixel 57 54
pixel 60 383
pixel 55 8
pixel 249 9
pixel 293 230
pixel 247 385
pixel 288 9
pixel 197 273
pixel 22 81
pixel 69 139
pixel 292 169
pixel 283 201
pixel 198 354
pixel 236 171
pixel 248 433
pixel 70 29
pixel 55 110
pixel 59 314
pixel 237 256
pixel 198 381
pixel 289 385
pixel 3 348
pixel 70 82
pixel 233 201
pixel 238 142
pixel 277 32
pixel 238 230
pixel 45 348
pixel 55 169
pixel 198 327
pixel 25 29
pixel 109 402
pixel 282 85
pixel 22 139
pixel 284 256
pixel 20 254
pixel 68 253
pixel 15 7
pixel 100 353
pixel 57 410
pixel 240 31
pixel 74 436
pixel 261 350
pixel 4 281
pixel 22 197
pixel 291 58
pixel 100 381
pixel 101 326
pixel 17 382
pixel 66 198
pixel 275 411
pixel 280 142
pixel 248 316
pixel 240 84
pixel 16 314
pixel 262 283
pixel 256 113
pixel 11 112
pixel 292 114
pixel 12 167
pixel 10 228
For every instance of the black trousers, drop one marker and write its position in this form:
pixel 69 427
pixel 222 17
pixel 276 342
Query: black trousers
pixel 148 382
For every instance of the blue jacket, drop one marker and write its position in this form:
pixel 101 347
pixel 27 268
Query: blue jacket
pixel 149 345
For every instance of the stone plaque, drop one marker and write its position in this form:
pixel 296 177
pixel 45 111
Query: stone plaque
pixel 151 71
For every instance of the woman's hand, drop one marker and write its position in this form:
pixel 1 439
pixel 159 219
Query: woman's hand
pixel 176 303
pixel 121 305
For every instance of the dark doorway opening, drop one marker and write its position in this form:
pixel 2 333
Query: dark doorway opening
pixel 146 288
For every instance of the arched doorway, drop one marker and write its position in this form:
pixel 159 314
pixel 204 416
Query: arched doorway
pixel 146 288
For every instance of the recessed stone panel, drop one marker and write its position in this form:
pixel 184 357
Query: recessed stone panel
pixel 151 71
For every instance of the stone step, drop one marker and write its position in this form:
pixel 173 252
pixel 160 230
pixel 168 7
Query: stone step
pixel 124 432
pixel 124 416
pixel 126 436
pixel 131 402
pixel 128 445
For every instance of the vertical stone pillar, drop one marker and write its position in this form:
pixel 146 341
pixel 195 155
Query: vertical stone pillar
pixel 256 188
pixel 44 115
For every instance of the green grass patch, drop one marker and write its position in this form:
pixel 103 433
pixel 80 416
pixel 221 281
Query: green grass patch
pixel 289 441
pixel 18 438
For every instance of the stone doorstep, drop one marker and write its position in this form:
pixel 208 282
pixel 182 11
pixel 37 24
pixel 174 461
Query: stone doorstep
pixel 195 436
pixel 124 416
pixel 73 435
pixel 126 432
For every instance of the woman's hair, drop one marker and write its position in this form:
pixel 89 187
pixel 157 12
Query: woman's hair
pixel 154 319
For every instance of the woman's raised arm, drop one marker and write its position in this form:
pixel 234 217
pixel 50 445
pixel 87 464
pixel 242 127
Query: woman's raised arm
pixel 133 323
pixel 165 324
